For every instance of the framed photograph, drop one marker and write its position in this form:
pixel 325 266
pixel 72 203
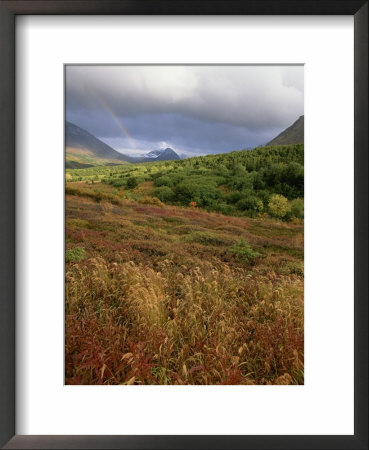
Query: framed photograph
pixel 184 225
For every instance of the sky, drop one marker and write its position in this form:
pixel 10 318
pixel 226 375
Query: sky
pixel 196 110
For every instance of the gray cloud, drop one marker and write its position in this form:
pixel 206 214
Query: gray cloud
pixel 196 108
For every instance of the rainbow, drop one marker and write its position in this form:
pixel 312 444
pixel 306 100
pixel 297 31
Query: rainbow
pixel 117 120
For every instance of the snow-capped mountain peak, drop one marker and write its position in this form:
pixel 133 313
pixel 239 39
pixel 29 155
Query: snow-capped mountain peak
pixel 154 153
pixel 163 154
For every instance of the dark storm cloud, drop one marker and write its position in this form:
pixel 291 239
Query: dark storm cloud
pixel 194 108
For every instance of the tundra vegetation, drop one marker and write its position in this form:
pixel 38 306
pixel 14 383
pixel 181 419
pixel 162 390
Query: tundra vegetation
pixel 187 272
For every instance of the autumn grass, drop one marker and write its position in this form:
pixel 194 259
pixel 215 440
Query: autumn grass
pixel 160 295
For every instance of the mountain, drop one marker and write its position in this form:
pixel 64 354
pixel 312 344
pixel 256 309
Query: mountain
pixel 83 149
pixel 154 154
pixel 166 154
pixel 291 135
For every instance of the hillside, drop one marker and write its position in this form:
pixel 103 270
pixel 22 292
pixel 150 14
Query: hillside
pixel 237 183
pixel 291 135
pixel 83 150
pixel 80 158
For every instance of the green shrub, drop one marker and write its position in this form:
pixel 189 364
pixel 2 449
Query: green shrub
pixel 164 193
pixel 118 183
pixel 223 208
pixel 75 254
pixel 243 251
pixel 264 195
pixel 232 197
pixel 251 204
pixel 167 180
pixel 131 183
pixel 200 191
pixel 297 208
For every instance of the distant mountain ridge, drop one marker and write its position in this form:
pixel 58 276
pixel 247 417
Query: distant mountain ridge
pixel 291 135
pixel 83 149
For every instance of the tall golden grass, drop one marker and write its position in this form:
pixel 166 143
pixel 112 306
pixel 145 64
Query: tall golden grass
pixel 149 306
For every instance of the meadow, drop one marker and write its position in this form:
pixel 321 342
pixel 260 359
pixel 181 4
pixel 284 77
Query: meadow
pixel 187 272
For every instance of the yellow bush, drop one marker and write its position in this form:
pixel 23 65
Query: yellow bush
pixel 278 206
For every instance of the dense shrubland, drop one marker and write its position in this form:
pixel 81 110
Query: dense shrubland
pixel 264 180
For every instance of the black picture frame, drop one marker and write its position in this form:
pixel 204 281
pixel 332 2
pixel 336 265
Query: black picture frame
pixel 8 12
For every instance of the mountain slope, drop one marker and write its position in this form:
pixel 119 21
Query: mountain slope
pixel 291 135
pixel 79 158
pixel 83 149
